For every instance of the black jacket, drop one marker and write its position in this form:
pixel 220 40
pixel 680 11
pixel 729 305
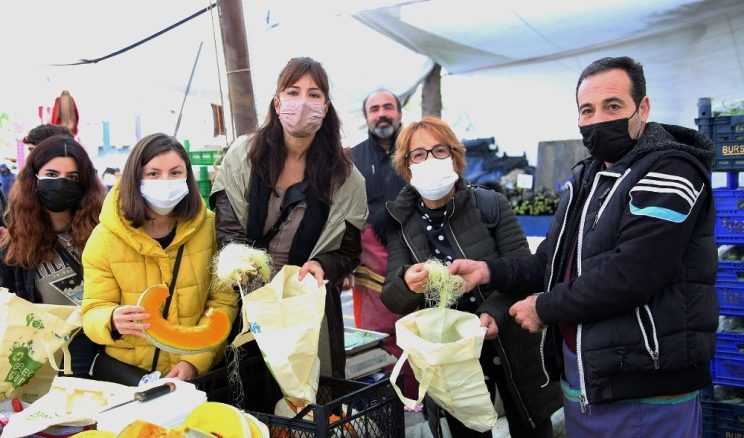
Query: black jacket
pixel 18 280
pixel 474 234
pixel 382 182
pixel 643 297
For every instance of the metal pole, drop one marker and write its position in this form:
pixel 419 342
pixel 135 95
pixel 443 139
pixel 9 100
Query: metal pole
pixel 188 87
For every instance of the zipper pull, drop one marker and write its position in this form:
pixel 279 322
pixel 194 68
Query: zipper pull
pixel 602 198
pixel 582 403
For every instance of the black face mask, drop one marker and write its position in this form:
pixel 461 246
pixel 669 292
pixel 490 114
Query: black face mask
pixel 608 141
pixel 58 194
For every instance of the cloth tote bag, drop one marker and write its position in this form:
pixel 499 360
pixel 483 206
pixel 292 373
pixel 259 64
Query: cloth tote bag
pixel 285 317
pixel 443 346
pixel 30 335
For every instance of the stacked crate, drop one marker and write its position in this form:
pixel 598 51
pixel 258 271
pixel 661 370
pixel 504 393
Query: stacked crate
pixel 203 164
pixel 722 414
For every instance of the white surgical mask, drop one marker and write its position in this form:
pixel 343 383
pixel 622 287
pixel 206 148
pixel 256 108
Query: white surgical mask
pixel 433 178
pixel 162 195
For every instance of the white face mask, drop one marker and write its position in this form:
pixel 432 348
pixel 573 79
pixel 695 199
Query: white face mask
pixel 162 195
pixel 433 178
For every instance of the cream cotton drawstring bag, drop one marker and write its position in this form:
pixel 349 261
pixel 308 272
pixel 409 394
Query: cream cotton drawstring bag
pixel 443 346
pixel 284 317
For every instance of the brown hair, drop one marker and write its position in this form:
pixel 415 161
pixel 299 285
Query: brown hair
pixel 441 131
pixel 131 202
pixel 42 132
pixel 327 165
pixel 30 239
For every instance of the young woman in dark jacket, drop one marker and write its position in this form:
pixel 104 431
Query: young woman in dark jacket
pixel 439 216
pixel 56 201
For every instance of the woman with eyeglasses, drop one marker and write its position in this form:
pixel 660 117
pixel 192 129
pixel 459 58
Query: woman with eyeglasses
pixel 55 203
pixel 438 215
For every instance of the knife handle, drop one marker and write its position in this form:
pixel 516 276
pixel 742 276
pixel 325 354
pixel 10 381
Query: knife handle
pixel 155 392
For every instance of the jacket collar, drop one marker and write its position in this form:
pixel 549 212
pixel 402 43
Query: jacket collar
pixel 113 219
pixel 661 137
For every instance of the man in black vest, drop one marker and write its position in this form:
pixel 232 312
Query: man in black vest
pixel 628 267
pixel 382 112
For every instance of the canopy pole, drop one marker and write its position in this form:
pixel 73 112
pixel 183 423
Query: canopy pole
pixel 188 87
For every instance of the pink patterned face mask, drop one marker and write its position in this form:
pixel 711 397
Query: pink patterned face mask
pixel 301 118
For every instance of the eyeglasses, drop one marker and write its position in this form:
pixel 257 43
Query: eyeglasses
pixel 440 152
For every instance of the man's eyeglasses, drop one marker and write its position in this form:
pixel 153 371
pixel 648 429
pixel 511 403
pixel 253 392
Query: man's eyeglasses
pixel 440 152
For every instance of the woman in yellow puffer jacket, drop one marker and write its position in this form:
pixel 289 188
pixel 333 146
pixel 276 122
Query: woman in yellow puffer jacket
pixel 153 210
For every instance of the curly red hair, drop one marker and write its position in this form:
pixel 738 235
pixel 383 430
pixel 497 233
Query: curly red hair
pixel 30 238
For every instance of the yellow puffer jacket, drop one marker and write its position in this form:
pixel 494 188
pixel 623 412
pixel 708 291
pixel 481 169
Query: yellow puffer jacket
pixel 120 262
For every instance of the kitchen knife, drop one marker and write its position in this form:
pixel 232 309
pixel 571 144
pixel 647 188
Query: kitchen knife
pixel 143 396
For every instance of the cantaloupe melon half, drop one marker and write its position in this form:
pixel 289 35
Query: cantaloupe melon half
pixel 224 420
pixel 181 339
pixel 143 429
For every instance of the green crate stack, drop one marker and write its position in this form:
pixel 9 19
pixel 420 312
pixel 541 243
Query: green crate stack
pixel 203 157
pixel 201 173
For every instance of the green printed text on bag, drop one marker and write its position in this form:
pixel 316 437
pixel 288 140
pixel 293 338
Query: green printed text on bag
pixel 30 335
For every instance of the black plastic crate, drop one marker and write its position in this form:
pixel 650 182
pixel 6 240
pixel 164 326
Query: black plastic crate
pixel 260 390
pixel 360 410
pixel 364 410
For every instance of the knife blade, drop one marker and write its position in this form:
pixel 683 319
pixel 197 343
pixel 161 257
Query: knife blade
pixel 149 394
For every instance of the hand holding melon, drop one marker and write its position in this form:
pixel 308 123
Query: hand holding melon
pixel 177 338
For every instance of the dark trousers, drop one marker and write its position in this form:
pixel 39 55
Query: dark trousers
pixel 495 376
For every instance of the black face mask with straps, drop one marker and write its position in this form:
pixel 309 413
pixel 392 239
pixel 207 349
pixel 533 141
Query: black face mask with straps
pixel 58 194
pixel 609 141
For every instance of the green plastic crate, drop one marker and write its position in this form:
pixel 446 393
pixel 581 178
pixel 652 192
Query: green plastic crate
pixel 201 172
pixel 203 157
pixel 205 187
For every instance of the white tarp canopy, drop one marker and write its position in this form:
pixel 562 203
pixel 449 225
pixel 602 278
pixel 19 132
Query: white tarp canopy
pixel 512 65
pixel 141 90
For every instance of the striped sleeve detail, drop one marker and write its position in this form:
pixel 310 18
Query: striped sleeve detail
pixel 664 196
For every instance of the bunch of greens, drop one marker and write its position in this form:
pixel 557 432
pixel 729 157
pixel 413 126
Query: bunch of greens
pixel 242 266
pixel 442 289
pixel 538 203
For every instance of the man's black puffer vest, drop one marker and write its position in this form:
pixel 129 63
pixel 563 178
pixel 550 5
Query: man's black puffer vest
pixel 616 353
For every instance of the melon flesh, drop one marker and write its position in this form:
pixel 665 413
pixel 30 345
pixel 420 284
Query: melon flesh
pixel 143 429
pixel 177 338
